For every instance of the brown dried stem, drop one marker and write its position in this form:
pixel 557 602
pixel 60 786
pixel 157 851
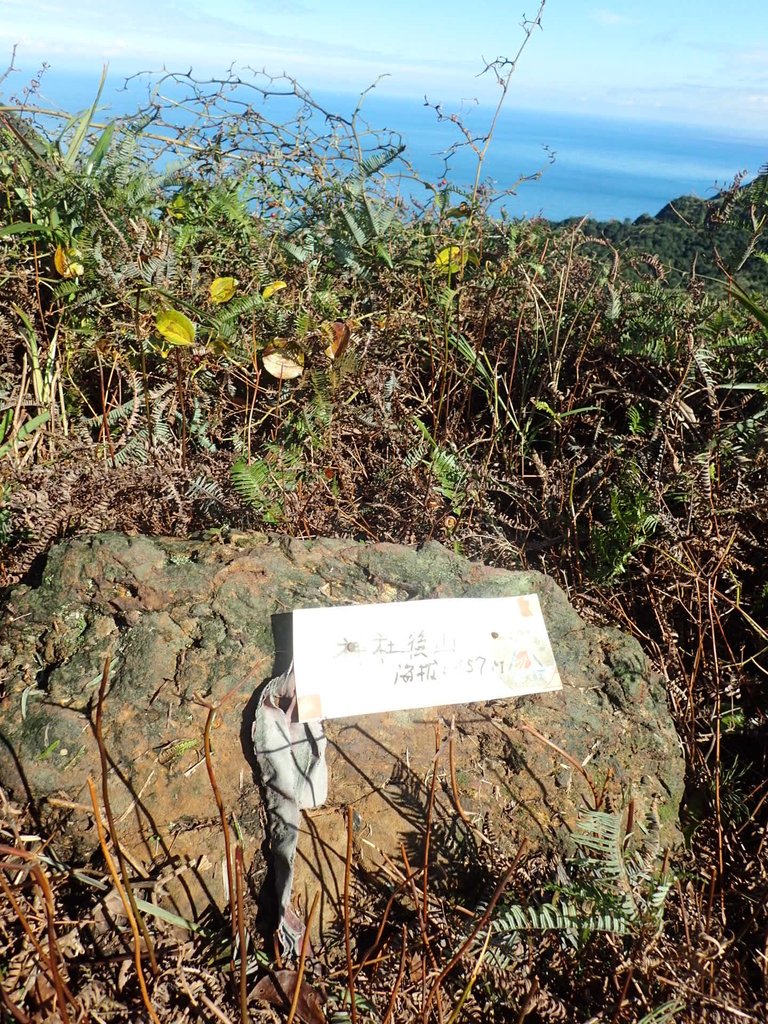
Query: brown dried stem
pixel 126 901
pixel 50 963
pixel 598 799
pixel 99 729
pixel 347 943
pixel 480 923
pixel 398 979
pixel 14 1011
pixel 302 961
pixel 454 784
pixel 382 925
pixel 241 934
pixel 225 832
pixel 428 828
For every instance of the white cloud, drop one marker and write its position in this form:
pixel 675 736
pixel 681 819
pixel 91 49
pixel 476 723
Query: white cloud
pixel 605 17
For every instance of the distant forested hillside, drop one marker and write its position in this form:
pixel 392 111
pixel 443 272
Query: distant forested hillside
pixel 700 236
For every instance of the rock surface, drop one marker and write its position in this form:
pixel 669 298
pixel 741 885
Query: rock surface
pixel 188 624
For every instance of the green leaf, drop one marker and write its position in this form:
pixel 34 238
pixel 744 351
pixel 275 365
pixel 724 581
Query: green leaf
pixel 167 915
pixel 663 1014
pixel 82 125
pixel 175 328
pixel 758 312
pixel 25 430
pixel 179 208
pixel 6 420
pixel 355 229
pixel 99 151
pixel 24 229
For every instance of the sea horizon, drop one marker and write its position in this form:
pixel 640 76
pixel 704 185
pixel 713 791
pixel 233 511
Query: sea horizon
pixel 590 166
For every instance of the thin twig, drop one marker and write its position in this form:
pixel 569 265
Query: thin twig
pixel 623 996
pixel 382 925
pixel 241 934
pixel 15 1012
pixel 125 901
pixel 347 943
pixel 218 1014
pixel 598 800
pixel 62 992
pixel 428 828
pixel 472 979
pixel 48 966
pixel 99 729
pixel 454 784
pixel 528 1002
pixel 144 374
pixel 225 832
pixel 302 961
pixel 398 979
pixel 481 923
pixel 182 410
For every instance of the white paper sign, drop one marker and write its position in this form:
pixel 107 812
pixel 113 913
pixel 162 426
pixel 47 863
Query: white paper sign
pixel 363 659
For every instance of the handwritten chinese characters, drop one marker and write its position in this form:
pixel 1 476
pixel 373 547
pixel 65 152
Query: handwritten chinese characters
pixel 387 657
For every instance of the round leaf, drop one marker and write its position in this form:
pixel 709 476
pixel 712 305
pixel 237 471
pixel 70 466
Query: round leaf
pixel 67 262
pixel 222 289
pixel 451 260
pixel 276 286
pixel 283 359
pixel 175 328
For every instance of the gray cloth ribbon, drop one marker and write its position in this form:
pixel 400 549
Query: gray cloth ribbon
pixel 291 758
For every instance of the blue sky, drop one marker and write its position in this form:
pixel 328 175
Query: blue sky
pixel 679 60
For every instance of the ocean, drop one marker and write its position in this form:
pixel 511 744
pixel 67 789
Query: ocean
pixel 590 166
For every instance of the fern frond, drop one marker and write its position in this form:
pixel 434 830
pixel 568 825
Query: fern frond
pixel 236 307
pixel 303 323
pixel 119 413
pixel 298 250
pixel 380 217
pixel 250 480
pixel 255 484
pixel 664 1014
pixel 356 229
pixel 204 486
pixel 371 165
pixel 607 888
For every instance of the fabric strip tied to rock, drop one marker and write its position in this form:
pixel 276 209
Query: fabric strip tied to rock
pixel 291 759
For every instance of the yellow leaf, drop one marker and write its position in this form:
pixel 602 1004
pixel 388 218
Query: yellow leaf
pixel 276 286
pixel 67 262
pixel 283 359
pixel 222 289
pixel 176 328
pixel 60 260
pixel 451 260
